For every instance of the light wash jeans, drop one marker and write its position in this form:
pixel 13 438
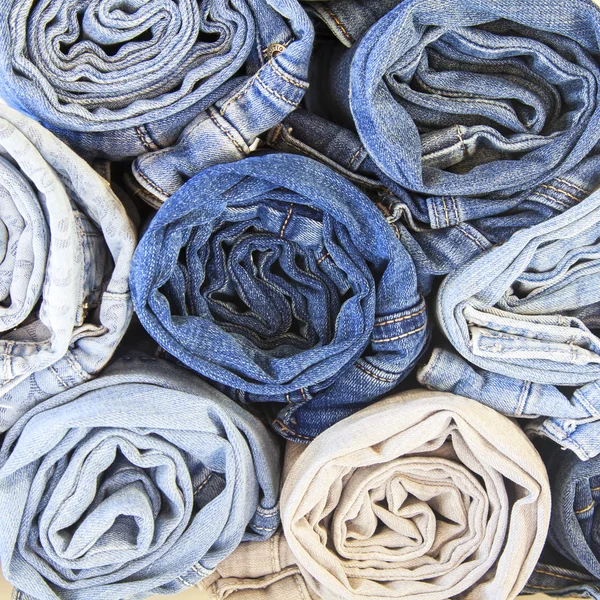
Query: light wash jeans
pixel 66 245
pixel 137 483
pixel 423 495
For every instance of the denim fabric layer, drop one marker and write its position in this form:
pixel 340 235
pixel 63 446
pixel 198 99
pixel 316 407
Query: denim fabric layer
pixel 120 79
pixel 469 97
pixel 259 571
pixel 277 277
pixel 66 246
pixel 560 581
pixel 440 232
pixel 424 496
pixel 136 483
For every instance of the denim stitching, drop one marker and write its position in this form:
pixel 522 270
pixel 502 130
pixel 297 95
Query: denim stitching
pixel 551 187
pixel 455 208
pixel 340 25
pixel 586 509
pixel 553 199
pixel 471 237
pixel 142 134
pixel 398 337
pixel 263 528
pixel 241 93
pixel 60 380
pixel 280 73
pixel 264 513
pixel 288 430
pixel 354 157
pixel 276 94
pixel 186 583
pixel 77 367
pixel 443 198
pixel 576 187
pixel 151 183
pixel 462 142
pixel 204 483
pixel 523 397
pixel 364 370
pixel 399 319
pixel 214 120
pixel 559 576
pixel 287 220
pixel 323 258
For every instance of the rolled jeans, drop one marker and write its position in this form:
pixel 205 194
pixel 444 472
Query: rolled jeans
pixel 280 280
pixel 66 245
pixel 120 84
pixel 136 483
pixel 421 495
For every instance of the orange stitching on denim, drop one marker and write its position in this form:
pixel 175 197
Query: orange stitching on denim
pixel 354 157
pixel 471 237
pixel 323 258
pixel 151 183
pixel 596 489
pixel 558 575
pixel 143 139
pixel 399 319
pixel 541 587
pixel 583 510
pixel 303 395
pixel 280 73
pixel 276 94
pixel 576 187
pixel 287 429
pixel 203 483
pixel 214 120
pixel 553 199
pixel 551 187
pixel 399 337
pixel 340 25
pixel 287 220
pixel 446 211
pixel 364 370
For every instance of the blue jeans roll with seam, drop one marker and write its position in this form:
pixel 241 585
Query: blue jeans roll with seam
pixel 278 279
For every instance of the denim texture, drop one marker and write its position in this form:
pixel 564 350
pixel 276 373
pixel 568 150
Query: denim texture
pixel 123 80
pixel 470 97
pixel 137 483
pixel 422 495
pixel 66 245
pixel 526 313
pixel 278 278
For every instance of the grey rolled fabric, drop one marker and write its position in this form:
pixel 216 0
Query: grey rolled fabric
pixel 424 495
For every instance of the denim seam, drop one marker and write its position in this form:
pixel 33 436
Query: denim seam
pixel 551 187
pixel 287 220
pixel 523 397
pixel 257 528
pixel 320 260
pixel 76 366
pixel 287 429
pixel 201 486
pixel 399 319
pixel 60 380
pixel 233 140
pixel 431 365
pixel 462 142
pixel 553 199
pixel 285 77
pixel 591 410
pixel 586 509
pixel 151 183
pixel 471 237
pixel 398 337
pixel 186 583
pixel 446 214
pixel 7 355
pixel 559 576
pixel 241 93
pixel 339 24
pixel 144 136
pixel 261 511
pixel 276 94
pixel 573 185
pixel 354 157
pixel 364 370
pixel 455 209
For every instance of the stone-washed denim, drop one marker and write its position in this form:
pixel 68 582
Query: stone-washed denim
pixel 66 246
pixel 470 97
pixel 136 483
pixel 122 80
pixel 277 277
pixel 524 314
pixel 424 496
pixel 570 566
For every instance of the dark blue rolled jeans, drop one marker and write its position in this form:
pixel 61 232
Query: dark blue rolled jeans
pixel 278 278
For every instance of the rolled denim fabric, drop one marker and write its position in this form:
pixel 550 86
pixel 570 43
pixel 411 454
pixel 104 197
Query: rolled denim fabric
pixel 278 278
pixel 423 496
pixel 470 97
pixel 66 246
pixel 259 571
pixel 136 483
pixel 121 79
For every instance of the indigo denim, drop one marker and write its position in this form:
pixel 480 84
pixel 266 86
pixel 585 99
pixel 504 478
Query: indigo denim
pixel 278 278
pixel 422 495
pixel 120 80
pixel 136 483
pixel 466 98
pixel 66 246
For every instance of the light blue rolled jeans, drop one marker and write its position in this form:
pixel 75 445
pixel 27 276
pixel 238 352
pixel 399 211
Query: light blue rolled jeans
pixel 66 245
pixel 136 483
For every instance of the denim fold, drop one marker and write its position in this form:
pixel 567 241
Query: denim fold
pixel 280 280
pixel 66 245
pixel 421 495
pixel 137 483
pixel 118 81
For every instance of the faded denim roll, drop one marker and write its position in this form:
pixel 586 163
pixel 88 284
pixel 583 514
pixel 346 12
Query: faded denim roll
pixel 120 79
pixel 281 281
pixel 423 495
pixel 66 245
pixel 137 483
pixel 525 317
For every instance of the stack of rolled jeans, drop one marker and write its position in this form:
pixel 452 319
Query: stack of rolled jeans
pixel 300 299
